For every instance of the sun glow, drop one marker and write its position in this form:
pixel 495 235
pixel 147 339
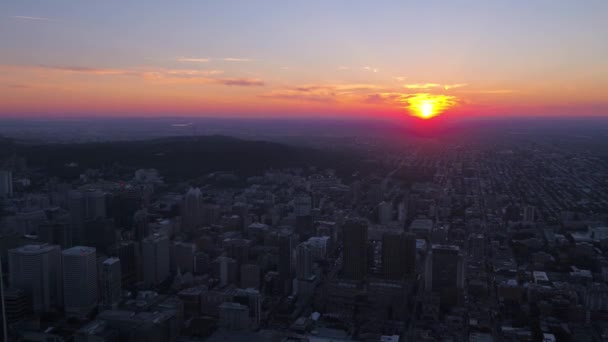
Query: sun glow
pixel 426 106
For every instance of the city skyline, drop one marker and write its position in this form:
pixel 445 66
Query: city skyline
pixel 304 59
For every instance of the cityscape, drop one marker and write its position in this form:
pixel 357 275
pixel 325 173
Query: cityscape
pixel 304 171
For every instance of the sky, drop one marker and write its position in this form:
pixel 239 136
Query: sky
pixel 314 58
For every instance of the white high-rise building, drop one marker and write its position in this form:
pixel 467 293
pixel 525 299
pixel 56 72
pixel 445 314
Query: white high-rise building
pixel 155 256
pixel 6 184
pixel 79 280
pixel 111 283
pixel 36 269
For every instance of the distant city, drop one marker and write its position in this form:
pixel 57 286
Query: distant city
pixel 402 236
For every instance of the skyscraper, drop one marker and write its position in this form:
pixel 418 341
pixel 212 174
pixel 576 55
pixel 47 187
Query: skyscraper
pixel 141 228
pixel 36 269
pixel 529 214
pixel 285 259
pixel 155 256
pixel 444 273
pixel 354 252
pixel 85 205
pixel 303 261
pixel 398 255
pixel 111 283
pixel 79 280
pixel 192 209
pixel 6 183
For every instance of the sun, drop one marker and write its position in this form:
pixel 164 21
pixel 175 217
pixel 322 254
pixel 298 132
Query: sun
pixel 427 110
pixel 427 106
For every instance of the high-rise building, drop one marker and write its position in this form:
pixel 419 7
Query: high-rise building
pixel 192 209
pixel 529 214
pixel 36 269
pixel 385 212
pixel 303 215
pixel 398 255
pixel 225 270
pixel 127 253
pixel 250 276
pixel 79 280
pixel 444 273
pixel 141 228
pixel 285 241
pixel 156 258
pixel 354 249
pixel 303 261
pixel 233 316
pixel 111 279
pixel 85 205
pixel 183 257
pixel 6 184
pixel 56 233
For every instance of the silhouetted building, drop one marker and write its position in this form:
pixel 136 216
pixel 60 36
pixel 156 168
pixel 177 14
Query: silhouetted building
pixel 156 258
pixel 354 237
pixel 398 255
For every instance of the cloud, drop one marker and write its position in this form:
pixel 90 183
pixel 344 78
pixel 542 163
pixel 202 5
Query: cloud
pixel 343 68
pixel 370 69
pixel 148 74
pixel 400 78
pixel 230 59
pixel 321 92
pixel 451 86
pixel 422 85
pixel 241 82
pixel 28 17
pixel 17 86
pixel 495 91
pixel 299 96
pixel 193 60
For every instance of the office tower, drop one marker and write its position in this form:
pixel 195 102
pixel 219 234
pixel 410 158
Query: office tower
pixel 56 233
pixel 237 249
pixel 85 205
pixel 111 278
pixel 127 253
pixel 211 214
pixel 18 305
pixel 398 255
pixel 285 241
pixel 141 229
pixel 250 276
pixel 253 300
pixel 79 280
pixel 444 273
pixel 529 214
pixel 233 316
pixel 6 184
pixel 36 269
pixel 226 270
pixel 99 233
pixel 125 202
pixel 192 210
pixel 319 246
pixel 156 258
pixel 402 212
pixel 385 212
pixel 303 213
pixel 303 261
pixel 477 246
pixel 354 249
pixel 183 257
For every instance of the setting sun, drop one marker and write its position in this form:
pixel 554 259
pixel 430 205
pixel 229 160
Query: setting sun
pixel 426 106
